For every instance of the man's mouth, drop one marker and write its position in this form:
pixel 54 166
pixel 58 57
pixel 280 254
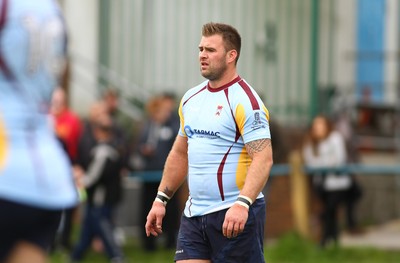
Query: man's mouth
pixel 203 65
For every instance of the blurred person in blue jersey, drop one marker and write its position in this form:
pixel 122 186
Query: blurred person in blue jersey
pixel 224 150
pixel 36 181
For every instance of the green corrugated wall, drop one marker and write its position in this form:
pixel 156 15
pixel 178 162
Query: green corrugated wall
pixel 151 46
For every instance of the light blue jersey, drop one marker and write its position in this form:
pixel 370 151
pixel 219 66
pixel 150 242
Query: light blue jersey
pixel 33 167
pixel 218 123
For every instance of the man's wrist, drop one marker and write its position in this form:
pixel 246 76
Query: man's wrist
pixel 244 201
pixel 162 198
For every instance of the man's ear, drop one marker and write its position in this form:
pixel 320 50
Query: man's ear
pixel 231 56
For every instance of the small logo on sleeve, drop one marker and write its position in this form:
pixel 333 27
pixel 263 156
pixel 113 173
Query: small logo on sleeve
pixel 257 123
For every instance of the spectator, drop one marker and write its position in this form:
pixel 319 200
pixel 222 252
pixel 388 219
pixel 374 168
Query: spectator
pixel 325 148
pixel 122 124
pixel 110 97
pixel 67 123
pixel 155 141
pixel 101 177
pixel 171 107
pixel 87 140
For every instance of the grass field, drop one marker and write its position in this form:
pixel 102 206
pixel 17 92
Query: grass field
pixel 288 249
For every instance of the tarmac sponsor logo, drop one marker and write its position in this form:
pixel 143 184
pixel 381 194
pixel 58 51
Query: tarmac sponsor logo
pixel 199 133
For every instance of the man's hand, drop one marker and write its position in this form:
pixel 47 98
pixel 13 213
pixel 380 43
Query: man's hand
pixel 154 219
pixel 235 220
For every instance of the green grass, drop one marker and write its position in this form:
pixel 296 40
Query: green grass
pixel 288 249
pixel 132 251
pixel 292 249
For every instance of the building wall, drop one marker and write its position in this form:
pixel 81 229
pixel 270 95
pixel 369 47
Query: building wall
pixel 154 47
pixel 391 82
pixel 82 23
pixel 151 46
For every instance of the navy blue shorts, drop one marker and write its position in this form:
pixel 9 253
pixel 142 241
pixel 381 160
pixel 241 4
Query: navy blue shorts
pixel 201 238
pixel 25 223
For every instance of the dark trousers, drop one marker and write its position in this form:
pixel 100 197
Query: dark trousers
pixel 97 223
pixel 20 222
pixel 66 227
pixel 331 202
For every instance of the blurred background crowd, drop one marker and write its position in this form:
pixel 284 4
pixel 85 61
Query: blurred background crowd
pixel 327 71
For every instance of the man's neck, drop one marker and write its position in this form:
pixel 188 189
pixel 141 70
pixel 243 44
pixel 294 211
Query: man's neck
pixel 226 78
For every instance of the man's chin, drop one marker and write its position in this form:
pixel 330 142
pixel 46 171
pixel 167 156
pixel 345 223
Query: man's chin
pixel 207 76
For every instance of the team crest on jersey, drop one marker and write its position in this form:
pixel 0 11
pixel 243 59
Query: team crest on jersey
pixel 219 110
pixel 257 121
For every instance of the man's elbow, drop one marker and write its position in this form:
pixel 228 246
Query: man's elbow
pixel 269 162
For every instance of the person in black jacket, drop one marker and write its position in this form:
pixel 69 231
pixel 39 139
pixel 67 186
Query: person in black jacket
pixel 155 141
pixel 100 175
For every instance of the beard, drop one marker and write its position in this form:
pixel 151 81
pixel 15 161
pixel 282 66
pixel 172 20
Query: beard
pixel 214 73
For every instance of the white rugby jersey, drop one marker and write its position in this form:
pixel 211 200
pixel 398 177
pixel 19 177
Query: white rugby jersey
pixel 34 169
pixel 218 123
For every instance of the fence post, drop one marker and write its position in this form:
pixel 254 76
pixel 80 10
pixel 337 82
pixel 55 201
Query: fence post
pixel 300 195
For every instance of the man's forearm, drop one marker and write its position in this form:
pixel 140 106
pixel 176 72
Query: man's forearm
pixel 260 167
pixel 256 179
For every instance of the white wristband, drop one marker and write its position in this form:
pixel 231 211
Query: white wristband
pixel 247 198
pixel 163 194
pixel 160 201
pixel 242 204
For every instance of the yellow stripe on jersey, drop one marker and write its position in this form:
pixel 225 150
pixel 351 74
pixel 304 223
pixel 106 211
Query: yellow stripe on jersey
pixel 182 121
pixel 240 118
pixel 242 168
pixel 3 144
pixel 266 112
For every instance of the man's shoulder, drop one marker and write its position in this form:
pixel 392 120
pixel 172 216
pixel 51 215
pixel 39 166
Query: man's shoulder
pixel 197 88
pixel 242 86
pixel 194 91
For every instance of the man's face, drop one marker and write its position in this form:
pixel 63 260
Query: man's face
pixel 213 57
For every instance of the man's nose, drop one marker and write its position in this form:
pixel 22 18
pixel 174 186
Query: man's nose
pixel 202 54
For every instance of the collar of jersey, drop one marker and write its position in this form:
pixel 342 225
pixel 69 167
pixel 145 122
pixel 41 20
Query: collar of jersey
pixel 237 79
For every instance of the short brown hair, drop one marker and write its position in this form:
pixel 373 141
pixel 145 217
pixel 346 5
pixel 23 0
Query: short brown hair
pixel 230 35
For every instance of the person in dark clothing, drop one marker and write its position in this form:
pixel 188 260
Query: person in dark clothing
pixel 155 141
pixel 100 175
pixel 88 140
pixel 123 125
